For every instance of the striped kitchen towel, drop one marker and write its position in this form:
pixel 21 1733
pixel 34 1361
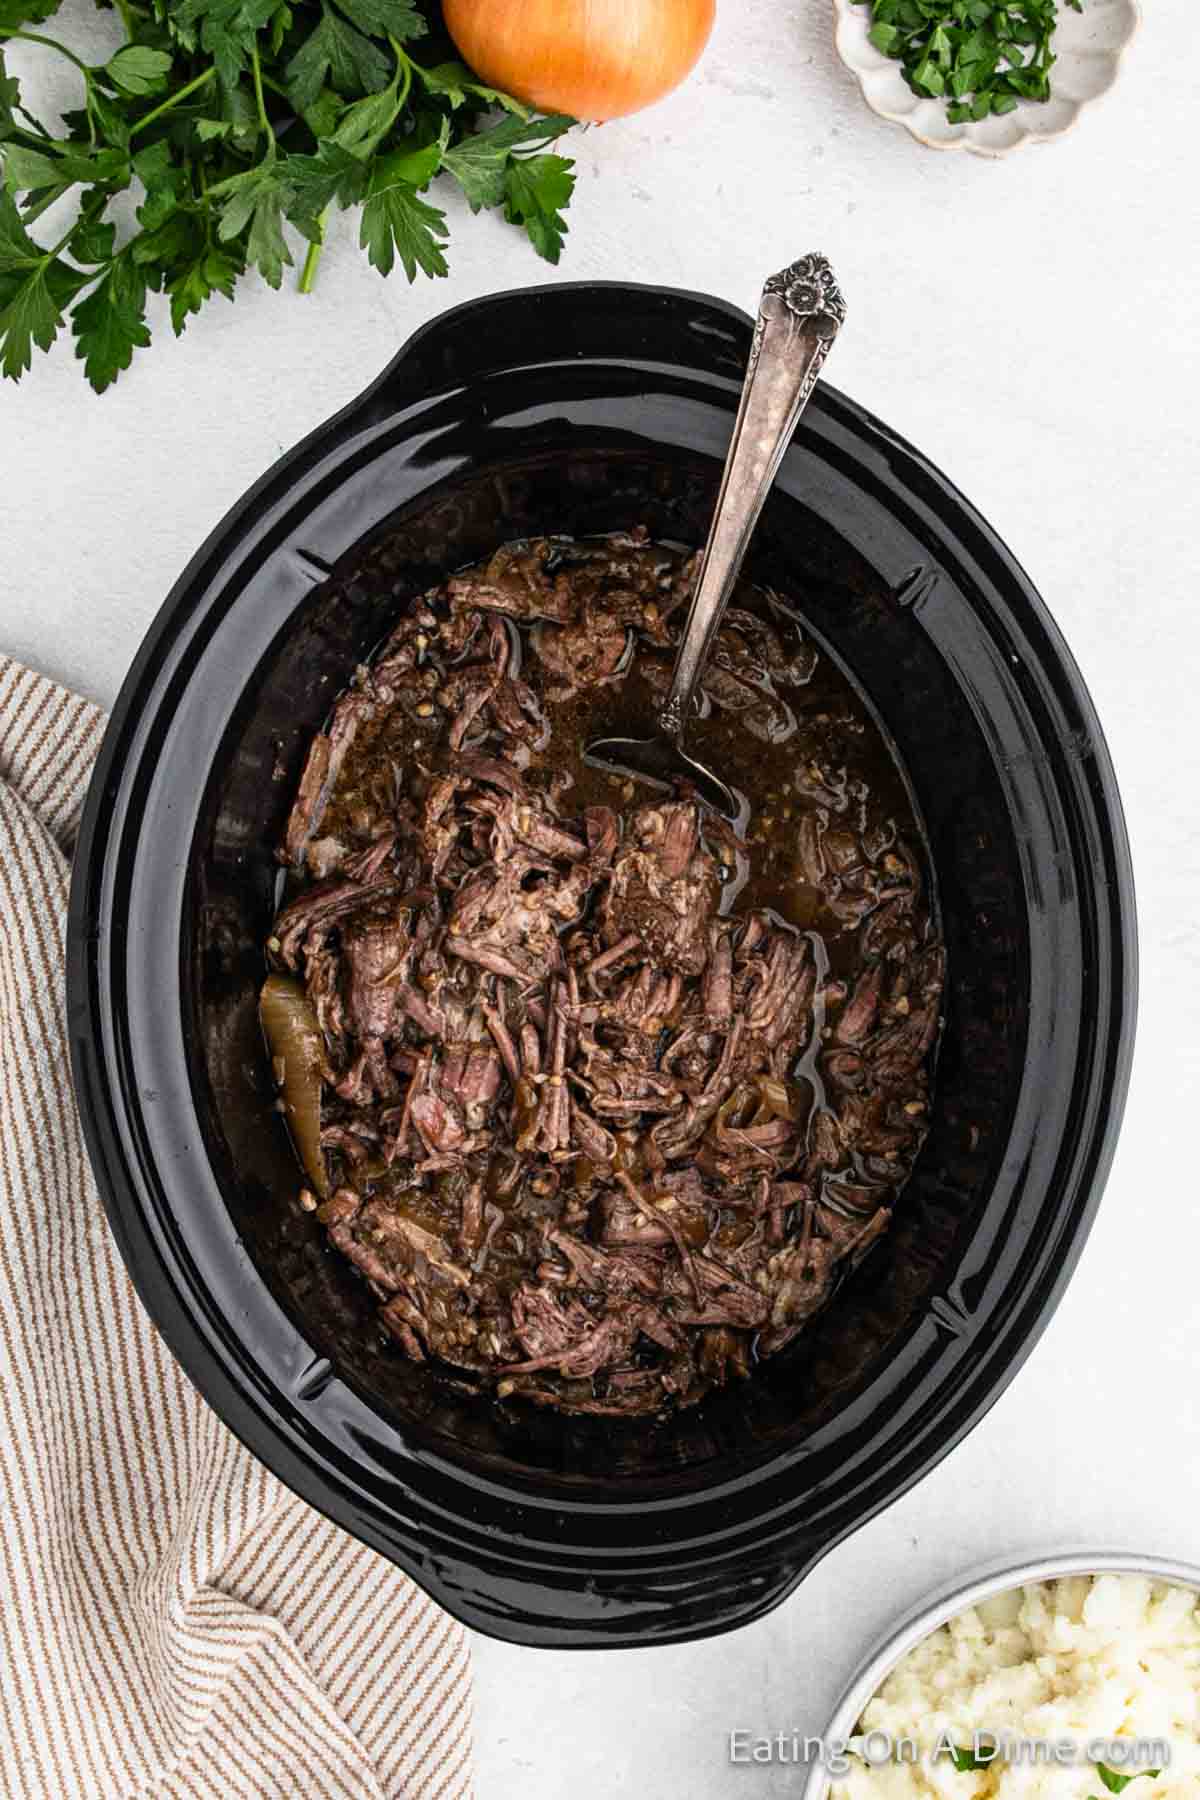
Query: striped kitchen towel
pixel 173 1621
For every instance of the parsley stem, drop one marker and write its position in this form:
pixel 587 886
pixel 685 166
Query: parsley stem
pixel 49 43
pixel 258 94
pixel 404 67
pixel 48 256
pixel 39 206
pixel 174 99
pixel 126 18
pixel 33 133
pixel 308 274
pixel 32 128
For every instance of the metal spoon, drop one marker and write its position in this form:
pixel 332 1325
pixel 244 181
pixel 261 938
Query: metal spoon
pixel 798 318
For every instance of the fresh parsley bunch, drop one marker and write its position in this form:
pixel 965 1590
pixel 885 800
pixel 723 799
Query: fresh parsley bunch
pixel 982 56
pixel 231 121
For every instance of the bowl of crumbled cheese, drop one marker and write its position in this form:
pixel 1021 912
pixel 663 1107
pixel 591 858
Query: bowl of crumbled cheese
pixel 1070 1678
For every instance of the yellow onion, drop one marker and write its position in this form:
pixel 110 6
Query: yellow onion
pixel 594 59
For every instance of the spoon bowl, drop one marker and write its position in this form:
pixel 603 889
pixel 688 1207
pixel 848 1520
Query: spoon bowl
pixel 661 763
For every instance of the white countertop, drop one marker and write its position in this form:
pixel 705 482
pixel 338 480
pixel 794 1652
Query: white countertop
pixel 1033 326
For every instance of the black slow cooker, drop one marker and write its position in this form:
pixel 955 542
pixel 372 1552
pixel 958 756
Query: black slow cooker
pixel 583 409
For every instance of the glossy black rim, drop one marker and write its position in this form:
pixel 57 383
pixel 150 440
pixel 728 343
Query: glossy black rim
pixel 508 1557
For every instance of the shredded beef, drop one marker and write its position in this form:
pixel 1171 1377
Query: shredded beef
pixel 602 1125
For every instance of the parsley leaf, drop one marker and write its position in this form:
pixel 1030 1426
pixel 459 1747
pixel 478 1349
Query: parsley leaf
pixel 139 70
pixel 365 124
pixel 165 183
pixel 213 272
pixel 535 188
pixel 454 82
pixel 92 242
pixel 1116 1784
pixel 397 19
pixel 334 173
pixel 110 323
pixel 964 1760
pixel 226 29
pixel 36 287
pixel 337 51
pixel 479 162
pixel 161 252
pixel 395 222
pixel 256 199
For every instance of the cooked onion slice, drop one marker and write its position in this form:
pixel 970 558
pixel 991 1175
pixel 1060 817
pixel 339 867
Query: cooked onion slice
pixel 294 1040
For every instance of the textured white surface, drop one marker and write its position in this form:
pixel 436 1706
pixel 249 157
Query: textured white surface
pixel 1031 324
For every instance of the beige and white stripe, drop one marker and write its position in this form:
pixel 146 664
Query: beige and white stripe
pixel 173 1622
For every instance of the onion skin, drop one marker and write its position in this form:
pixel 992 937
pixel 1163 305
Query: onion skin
pixel 294 1039
pixel 593 59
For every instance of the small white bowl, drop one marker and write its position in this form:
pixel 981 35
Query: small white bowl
pixel 1088 44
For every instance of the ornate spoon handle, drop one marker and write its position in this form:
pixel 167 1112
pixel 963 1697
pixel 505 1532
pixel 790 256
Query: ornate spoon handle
pixel 798 318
